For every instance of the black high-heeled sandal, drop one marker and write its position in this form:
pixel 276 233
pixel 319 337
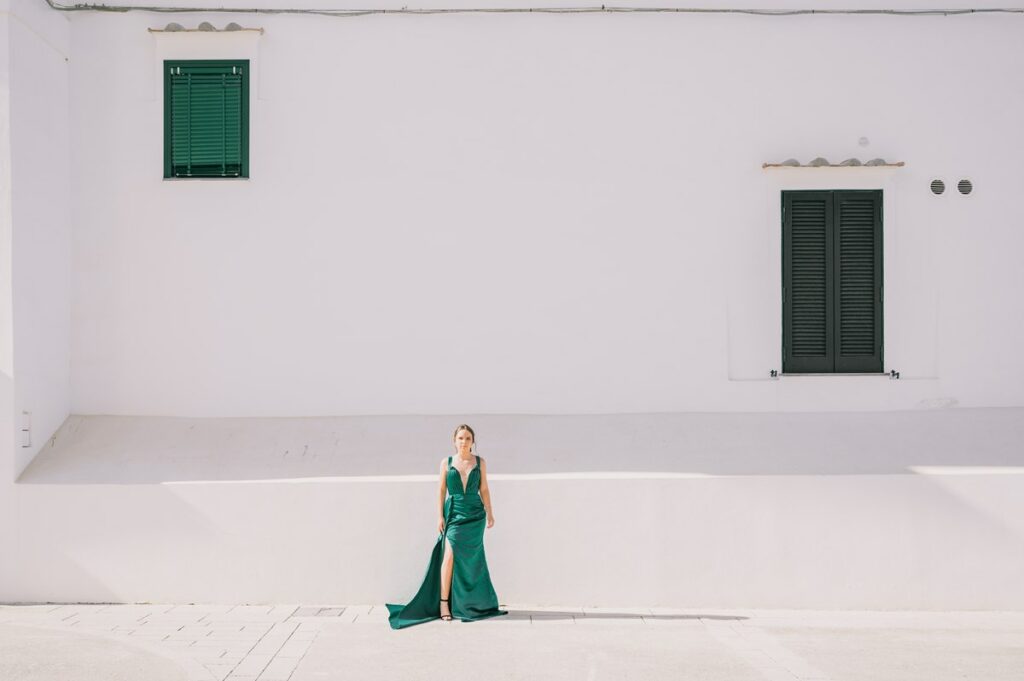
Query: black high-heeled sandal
pixel 448 617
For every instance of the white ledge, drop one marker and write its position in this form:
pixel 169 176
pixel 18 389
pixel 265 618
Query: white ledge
pixel 204 30
pixel 824 163
pixel 667 447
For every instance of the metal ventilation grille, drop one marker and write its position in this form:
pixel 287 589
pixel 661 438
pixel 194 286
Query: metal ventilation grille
pixel 809 283
pixel 964 186
pixel 856 278
pixel 938 186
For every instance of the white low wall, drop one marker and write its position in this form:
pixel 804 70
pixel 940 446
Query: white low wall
pixel 919 510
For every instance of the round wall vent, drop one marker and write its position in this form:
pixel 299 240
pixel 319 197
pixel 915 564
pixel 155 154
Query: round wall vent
pixel 938 186
pixel 964 186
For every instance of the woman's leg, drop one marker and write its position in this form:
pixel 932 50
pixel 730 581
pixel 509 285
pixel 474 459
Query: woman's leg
pixel 447 566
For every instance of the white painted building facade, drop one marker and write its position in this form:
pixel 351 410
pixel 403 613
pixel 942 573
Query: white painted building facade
pixel 557 227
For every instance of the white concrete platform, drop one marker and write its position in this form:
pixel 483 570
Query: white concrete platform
pixel 335 643
pixel 919 510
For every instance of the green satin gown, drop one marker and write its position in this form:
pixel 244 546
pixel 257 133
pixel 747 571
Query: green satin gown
pixel 472 595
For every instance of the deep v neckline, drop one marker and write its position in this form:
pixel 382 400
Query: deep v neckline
pixel 465 482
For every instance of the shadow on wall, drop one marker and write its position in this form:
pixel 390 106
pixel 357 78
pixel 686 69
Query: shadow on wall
pixel 145 449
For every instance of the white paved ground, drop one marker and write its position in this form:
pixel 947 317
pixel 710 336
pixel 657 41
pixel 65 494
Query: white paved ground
pixel 166 642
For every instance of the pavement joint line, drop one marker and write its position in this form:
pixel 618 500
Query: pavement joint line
pixel 191 666
pixel 776 661
pixel 749 636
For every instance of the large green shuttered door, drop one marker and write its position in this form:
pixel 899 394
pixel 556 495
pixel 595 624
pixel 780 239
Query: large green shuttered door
pixel 832 281
pixel 206 118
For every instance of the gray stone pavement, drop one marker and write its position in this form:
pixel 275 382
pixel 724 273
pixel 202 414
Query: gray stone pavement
pixel 167 642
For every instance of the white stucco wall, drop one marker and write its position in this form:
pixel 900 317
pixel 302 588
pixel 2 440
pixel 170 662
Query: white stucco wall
pixel 8 531
pixel 41 199
pixel 488 217
pixel 537 214
pixel 35 251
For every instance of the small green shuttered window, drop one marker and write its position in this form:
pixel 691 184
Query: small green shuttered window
pixel 206 118
pixel 832 281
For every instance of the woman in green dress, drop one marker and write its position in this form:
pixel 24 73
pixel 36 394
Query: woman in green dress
pixel 457 583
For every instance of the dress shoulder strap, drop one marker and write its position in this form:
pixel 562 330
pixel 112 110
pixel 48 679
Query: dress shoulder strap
pixel 478 461
pixel 449 463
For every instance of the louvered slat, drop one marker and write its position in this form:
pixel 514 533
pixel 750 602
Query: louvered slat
pixel 809 295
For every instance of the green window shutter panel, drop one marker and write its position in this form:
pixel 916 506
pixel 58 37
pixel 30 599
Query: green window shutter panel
pixel 206 118
pixel 858 265
pixel 808 338
pixel 832 280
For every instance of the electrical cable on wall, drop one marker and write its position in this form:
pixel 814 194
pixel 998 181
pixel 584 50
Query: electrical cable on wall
pixel 534 10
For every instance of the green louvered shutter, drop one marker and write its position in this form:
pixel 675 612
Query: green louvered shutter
pixel 832 281
pixel 206 112
pixel 807 333
pixel 858 292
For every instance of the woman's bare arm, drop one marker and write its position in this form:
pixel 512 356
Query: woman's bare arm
pixel 485 492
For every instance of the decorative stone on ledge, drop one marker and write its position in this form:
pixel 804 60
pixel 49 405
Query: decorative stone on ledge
pixel 823 163
pixel 205 27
